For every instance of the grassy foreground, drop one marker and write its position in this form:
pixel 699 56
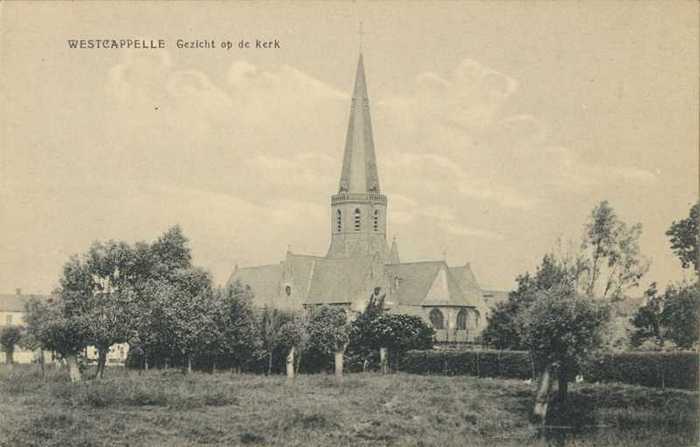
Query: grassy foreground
pixel 167 408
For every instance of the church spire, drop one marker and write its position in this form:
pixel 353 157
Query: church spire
pixel 359 173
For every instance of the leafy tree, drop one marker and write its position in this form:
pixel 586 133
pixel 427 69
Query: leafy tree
pixel 329 334
pixel 97 288
pixel 611 261
pixel 170 253
pixel 684 238
pixel 561 330
pixel 236 323
pixel 398 333
pixel 180 315
pixel 680 314
pixel 502 330
pixel 647 322
pixel 270 324
pixel 65 332
pixel 292 338
pixel 9 338
pixel 35 315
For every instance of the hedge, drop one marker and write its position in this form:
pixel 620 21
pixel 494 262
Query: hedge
pixel 652 369
pixel 507 364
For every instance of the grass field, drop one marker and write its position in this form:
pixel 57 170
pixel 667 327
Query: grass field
pixel 168 408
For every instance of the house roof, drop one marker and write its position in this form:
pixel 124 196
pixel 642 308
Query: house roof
pixel 13 302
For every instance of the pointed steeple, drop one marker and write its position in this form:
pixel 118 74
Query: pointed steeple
pixel 359 173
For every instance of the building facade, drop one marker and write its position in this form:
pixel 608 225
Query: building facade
pixel 360 262
pixel 12 313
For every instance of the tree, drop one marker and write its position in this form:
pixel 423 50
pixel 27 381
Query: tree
pixel 292 338
pixel 610 262
pixel 502 330
pixel 375 329
pixel 329 334
pixel 180 315
pixel 396 334
pixel 65 332
pixel 98 288
pixel 561 330
pixel 647 322
pixel 681 304
pixel 35 315
pixel 684 238
pixel 236 323
pixel 10 336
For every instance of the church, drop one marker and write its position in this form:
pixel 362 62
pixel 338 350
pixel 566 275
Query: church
pixel 360 262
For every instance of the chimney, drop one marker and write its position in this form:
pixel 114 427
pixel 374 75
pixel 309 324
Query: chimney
pixel 19 291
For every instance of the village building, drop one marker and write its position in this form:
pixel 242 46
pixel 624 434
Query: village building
pixel 12 313
pixel 360 262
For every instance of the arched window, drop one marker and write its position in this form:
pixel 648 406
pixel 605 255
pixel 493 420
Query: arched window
pixel 357 218
pixel 338 221
pixel 376 220
pixel 462 320
pixel 288 290
pixel 436 319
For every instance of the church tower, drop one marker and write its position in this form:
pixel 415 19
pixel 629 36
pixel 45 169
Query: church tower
pixel 358 210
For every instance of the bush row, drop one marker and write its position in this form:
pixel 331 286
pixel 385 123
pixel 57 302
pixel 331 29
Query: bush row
pixel 652 369
pixel 507 364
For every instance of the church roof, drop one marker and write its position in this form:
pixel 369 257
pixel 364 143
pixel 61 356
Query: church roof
pixel 263 279
pixel 359 172
pixel 432 283
pixel 340 280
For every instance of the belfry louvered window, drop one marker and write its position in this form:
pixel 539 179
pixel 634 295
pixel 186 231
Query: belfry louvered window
pixel 357 219
pixel 338 221
pixel 376 220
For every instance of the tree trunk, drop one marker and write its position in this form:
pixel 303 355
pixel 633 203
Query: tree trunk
pixel 189 364
pixel 145 363
pixel 73 369
pixel 9 360
pixel 290 364
pixel 384 360
pixel 41 362
pixel 339 366
pixel 563 384
pixel 297 364
pixel 269 364
pixel 544 387
pixel 101 362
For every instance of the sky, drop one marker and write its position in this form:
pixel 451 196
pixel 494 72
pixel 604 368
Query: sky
pixel 498 127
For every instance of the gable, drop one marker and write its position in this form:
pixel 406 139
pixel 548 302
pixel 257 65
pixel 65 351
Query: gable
pixel 439 291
